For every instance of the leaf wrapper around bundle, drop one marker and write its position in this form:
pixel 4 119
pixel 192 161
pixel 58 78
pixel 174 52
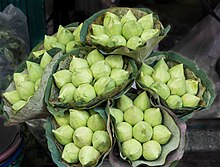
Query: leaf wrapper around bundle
pixel 139 54
pixel 52 92
pixel 56 148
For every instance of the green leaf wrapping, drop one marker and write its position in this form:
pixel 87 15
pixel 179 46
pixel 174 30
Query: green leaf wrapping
pixel 35 108
pixel 52 92
pixel 56 149
pixel 138 54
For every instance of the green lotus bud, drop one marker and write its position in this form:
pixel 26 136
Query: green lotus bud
pixel 78 118
pixel 64 36
pixel 66 93
pixel 146 69
pixel 151 150
pixel 174 102
pixel 37 84
pixel 123 131
pixel 161 134
pixel 147 21
pixel 71 45
pixel 63 120
pixel 190 100
pixel 12 96
pixel 117 114
pixel 70 153
pixel 132 149
pixel 115 61
pixel 128 17
pixel 34 70
pixel 38 53
pixel 84 93
pixel 131 28
pixel 25 89
pixel 116 40
pixel 18 105
pixel 192 86
pixel 104 85
pixel 177 86
pixel 63 134
pixel 119 76
pixel 47 42
pixel 134 42
pixel 142 131
pixel 19 77
pixel 100 69
pixel 153 116
pixel 177 71
pixel 77 63
pixel 88 156
pixel 133 115
pixel 109 16
pixel 145 80
pixel 98 29
pixel 113 27
pixel 82 137
pixel 82 76
pixel 161 64
pixel 124 103
pixel 94 56
pixel 161 89
pixel 101 39
pixel 149 33
pixel 76 33
pixel 46 59
pixel 96 122
pixel 142 101
pixel 59 46
pixel 62 77
pixel 101 141
pixel 160 75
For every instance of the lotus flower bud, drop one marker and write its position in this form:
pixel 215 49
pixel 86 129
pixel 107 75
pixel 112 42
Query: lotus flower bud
pixel 77 63
pixel 134 42
pixel 147 21
pixel 131 28
pixel 47 42
pixel 115 61
pixel 84 93
pixel 63 134
pixel 119 76
pixel 161 89
pixel 66 93
pixel 59 46
pixel 128 17
pixel 38 53
pixel 34 70
pixel 82 76
pixel 100 69
pixel 82 137
pixel 161 134
pixel 174 102
pixel 94 56
pixel 161 64
pixel 101 39
pixel 37 84
pixel 116 40
pixel 104 85
pixel 177 71
pixel 123 131
pixel 64 36
pixel 101 141
pixel 12 96
pixel 76 33
pixel 117 114
pixel 145 80
pixel 132 149
pixel 71 45
pixel 149 33
pixel 78 118
pixel 190 100
pixel 19 77
pixel 70 153
pixel 192 86
pixel 88 156
pixel 160 75
pixel 18 105
pixel 25 89
pixel 151 150
pixel 98 29
pixel 177 86
pixel 142 101
pixel 96 122
pixel 133 115
pixel 124 103
pixel 153 116
pixel 109 16
pixel 142 131
pixel 113 27
pixel 46 59
pixel 62 77
pixel 63 120
pixel 146 69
